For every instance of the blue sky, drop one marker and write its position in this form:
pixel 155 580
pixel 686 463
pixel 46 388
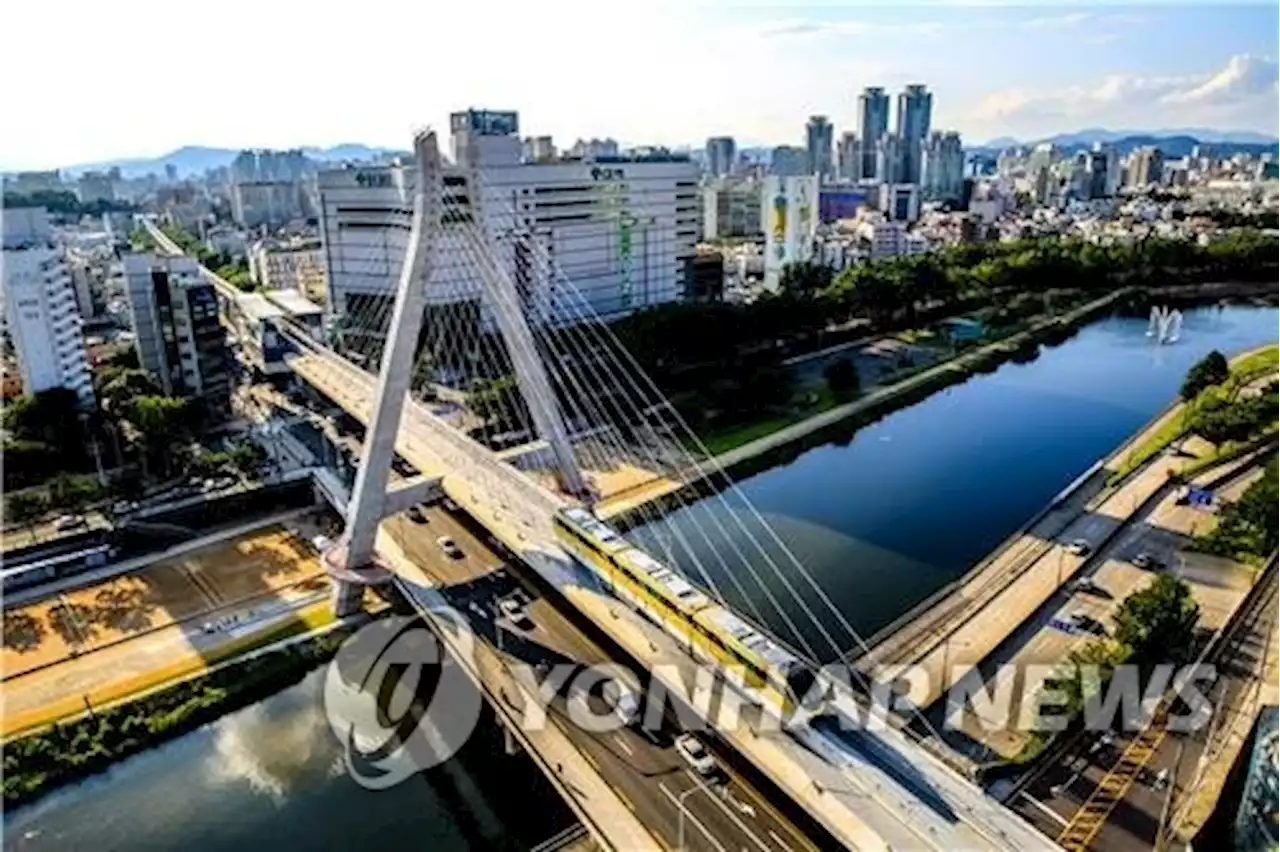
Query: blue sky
pixel 268 73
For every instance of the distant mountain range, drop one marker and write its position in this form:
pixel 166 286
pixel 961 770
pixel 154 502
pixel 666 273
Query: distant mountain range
pixel 197 159
pixel 1173 143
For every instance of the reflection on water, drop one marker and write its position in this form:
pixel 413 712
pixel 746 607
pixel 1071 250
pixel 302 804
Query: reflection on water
pixel 270 747
pixel 271 775
pixel 887 517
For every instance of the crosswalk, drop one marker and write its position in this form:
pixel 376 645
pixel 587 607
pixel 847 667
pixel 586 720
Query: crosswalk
pixel 1088 819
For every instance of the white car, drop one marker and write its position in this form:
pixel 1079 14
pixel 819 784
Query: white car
pixel 69 522
pixel 449 546
pixel 512 610
pixel 1079 547
pixel 694 753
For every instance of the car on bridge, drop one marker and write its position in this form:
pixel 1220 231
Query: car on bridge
pixel 1089 586
pixel 449 546
pixel 513 611
pixel 1147 562
pixel 694 753
pixel 1079 547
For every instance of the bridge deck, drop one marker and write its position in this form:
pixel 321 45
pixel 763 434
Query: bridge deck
pixel 861 804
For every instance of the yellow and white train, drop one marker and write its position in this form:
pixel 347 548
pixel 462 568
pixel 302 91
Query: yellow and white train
pixel 712 632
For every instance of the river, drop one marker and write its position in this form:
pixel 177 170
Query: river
pixel 912 501
pixel 881 521
pixel 271 775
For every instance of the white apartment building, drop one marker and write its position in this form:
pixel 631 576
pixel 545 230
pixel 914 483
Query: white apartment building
pixel 621 229
pixel 40 310
pixel 891 239
pixel 178 335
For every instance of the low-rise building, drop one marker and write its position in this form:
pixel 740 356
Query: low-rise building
pixel 730 209
pixel 289 265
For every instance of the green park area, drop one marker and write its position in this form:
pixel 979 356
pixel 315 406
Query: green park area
pixel 1230 404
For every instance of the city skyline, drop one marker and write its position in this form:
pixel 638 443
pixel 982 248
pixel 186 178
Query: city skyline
pixel 1021 72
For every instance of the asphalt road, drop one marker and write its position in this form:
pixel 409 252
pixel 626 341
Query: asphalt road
pixel 720 814
pixel 1059 790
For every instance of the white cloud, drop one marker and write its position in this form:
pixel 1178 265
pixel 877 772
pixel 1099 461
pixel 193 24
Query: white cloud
pixel 1240 94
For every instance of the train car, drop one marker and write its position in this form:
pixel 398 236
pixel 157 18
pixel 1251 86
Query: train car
pixel 711 632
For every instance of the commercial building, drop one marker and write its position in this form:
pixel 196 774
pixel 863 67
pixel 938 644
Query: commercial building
pixel 915 112
pixel 789 161
pixel 40 311
pixel 706 276
pixel 942 167
pixel 1146 166
pixel 592 149
pixel 892 239
pixel 900 202
pixel 849 158
pixel 731 208
pixel 539 148
pixel 268 203
pixel 178 336
pixel 818 135
pixel 721 154
pixel 25 183
pixel 622 229
pixel 888 159
pixel 289 265
pixel 95 186
pixel 790 208
pixel 873 123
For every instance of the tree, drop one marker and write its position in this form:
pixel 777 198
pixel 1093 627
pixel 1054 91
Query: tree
pixel 842 377
pixel 1210 370
pixel 804 279
pixel 118 386
pixel 72 492
pixel 1158 622
pixel 162 426
pixel 25 507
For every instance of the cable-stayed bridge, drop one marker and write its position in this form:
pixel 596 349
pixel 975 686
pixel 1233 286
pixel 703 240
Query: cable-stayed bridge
pixel 498 383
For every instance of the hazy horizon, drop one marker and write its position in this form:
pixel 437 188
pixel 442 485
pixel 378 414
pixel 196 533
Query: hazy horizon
pixel 671 76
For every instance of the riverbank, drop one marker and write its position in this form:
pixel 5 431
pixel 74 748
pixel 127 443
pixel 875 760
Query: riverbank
pixel 790 439
pixel 1172 424
pixel 40 762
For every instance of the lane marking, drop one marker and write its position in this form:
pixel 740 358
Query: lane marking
pixel 626 800
pixel 623 744
pixel 737 820
pixel 778 840
pixel 1044 809
pixel 682 808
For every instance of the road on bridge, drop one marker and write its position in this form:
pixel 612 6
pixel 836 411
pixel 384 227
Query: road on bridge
pixel 720 815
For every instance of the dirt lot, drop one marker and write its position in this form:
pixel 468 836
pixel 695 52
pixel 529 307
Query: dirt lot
pixel 263 565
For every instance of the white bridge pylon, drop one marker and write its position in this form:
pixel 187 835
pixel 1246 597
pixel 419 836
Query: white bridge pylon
pixel 370 499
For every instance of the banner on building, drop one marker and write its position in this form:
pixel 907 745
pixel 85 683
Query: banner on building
pixel 790 205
